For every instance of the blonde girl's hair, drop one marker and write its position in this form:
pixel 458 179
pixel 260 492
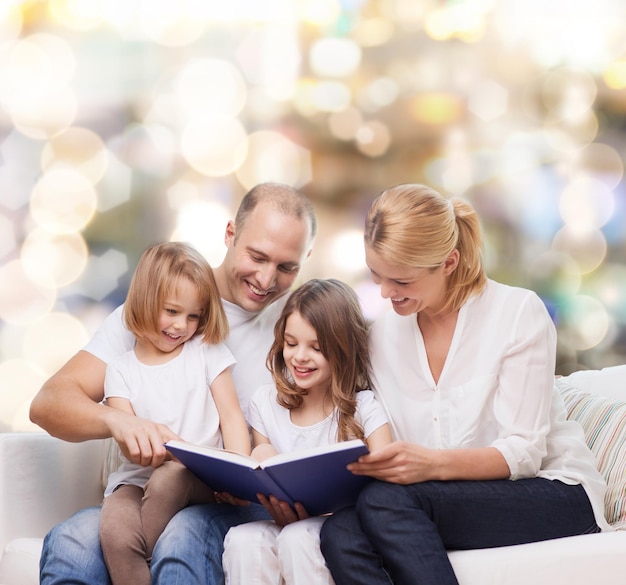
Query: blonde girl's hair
pixel 158 272
pixel 333 310
pixel 413 226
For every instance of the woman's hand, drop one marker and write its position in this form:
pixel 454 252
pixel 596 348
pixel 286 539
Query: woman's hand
pixel 282 512
pixel 399 462
pixel 404 463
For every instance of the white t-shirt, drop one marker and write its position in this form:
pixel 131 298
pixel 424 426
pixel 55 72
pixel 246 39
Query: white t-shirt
pixel 250 338
pixel 274 421
pixel 496 389
pixel 176 393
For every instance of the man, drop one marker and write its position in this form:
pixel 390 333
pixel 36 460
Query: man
pixel 271 236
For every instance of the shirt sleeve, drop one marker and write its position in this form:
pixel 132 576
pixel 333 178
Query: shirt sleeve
pixel 218 358
pixel 112 339
pixel 523 399
pixel 259 409
pixel 369 412
pixel 115 382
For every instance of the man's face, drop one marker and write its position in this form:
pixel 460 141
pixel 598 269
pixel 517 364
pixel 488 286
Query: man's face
pixel 263 262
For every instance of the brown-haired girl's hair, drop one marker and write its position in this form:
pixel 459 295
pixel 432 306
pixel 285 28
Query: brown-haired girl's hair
pixel 159 269
pixel 333 310
pixel 415 227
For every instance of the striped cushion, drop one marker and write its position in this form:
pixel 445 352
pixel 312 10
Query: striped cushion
pixel 604 423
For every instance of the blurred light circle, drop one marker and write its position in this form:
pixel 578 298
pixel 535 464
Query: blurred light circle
pixel 172 24
pixel 21 299
pixel 488 100
pixel 149 148
pixel 320 12
pixel 555 275
pixel 215 146
pixel 615 75
pixel 374 31
pixel 570 138
pixel 52 340
pixel 203 224
pixel 50 114
pixel 76 148
pixel 63 201
pixel 8 242
pixel 587 322
pixel 600 161
pixel 78 14
pixel 334 57
pixel 211 86
pixel 587 249
pixel 53 261
pixel 380 93
pixel 20 380
pixel 345 123
pixel 373 138
pixel 330 96
pixel 436 108
pixel 586 204
pixel 11 21
pixel 609 286
pixel 34 67
pixel 273 157
pixel 569 95
pixel 347 253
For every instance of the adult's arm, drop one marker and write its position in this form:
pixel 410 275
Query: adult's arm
pixel 402 462
pixel 69 406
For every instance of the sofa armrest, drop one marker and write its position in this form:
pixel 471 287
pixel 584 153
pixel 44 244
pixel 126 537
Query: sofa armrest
pixel 43 481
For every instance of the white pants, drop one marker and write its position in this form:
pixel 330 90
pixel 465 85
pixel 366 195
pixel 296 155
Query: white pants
pixel 261 553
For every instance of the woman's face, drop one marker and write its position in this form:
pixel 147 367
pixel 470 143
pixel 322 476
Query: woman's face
pixel 411 290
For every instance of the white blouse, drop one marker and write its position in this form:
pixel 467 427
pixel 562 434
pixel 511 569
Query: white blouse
pixel 496 389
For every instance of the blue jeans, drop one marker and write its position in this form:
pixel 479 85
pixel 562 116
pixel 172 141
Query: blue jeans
pixel 400 533
pixel 188 552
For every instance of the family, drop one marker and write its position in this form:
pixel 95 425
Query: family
pixel 452 390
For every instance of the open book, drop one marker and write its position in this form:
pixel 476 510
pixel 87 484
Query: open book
pixel 317 478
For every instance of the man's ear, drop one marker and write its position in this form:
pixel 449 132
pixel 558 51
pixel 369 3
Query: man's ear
pixel 229 235
pixel 451 262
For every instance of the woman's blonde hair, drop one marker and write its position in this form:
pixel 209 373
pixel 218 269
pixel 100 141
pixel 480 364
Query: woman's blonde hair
pixel 413 226
pixel 333 310
pixel 158 271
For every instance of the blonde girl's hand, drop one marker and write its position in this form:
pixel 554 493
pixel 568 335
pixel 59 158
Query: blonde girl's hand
pixel 226 498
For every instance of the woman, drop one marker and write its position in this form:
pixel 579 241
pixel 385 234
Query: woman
pixel 464 367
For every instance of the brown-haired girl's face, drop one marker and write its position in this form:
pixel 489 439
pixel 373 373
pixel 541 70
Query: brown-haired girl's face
pixel 307 365
pixel 179 317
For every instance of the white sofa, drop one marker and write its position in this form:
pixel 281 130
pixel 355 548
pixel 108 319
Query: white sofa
pixel 44 480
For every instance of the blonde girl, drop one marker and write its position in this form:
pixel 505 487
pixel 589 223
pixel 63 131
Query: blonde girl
pixel 177 375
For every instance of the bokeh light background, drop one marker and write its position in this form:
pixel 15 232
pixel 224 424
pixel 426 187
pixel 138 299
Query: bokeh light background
pixel 123 123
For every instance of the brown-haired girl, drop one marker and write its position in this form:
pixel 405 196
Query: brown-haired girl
pixel 320 366
pixel 177 375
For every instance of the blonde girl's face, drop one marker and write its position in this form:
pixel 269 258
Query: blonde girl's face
pixel 301 351
pixel 178 318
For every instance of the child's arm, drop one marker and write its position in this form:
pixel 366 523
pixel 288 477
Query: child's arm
pixel 121 404
pixel 232 424
pixel 379 438
pixel 263 449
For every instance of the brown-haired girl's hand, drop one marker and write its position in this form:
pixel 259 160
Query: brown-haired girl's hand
pixel 282 512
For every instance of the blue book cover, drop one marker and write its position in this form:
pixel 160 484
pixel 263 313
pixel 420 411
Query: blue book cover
pixel 317 478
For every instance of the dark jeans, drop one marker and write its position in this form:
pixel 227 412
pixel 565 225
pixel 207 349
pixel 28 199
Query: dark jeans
pixel 400 533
